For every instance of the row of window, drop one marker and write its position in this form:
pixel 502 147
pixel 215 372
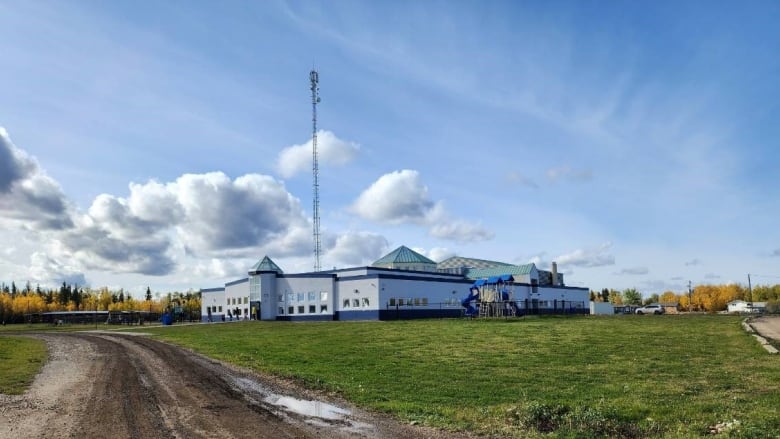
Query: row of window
pixel 233 301
pixel 301 309
pixel 355 303
pixel 401 301
pixel 311 296
pixel 214 308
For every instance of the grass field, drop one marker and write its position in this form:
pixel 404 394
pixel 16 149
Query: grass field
pixel 20 360
pixel 628 376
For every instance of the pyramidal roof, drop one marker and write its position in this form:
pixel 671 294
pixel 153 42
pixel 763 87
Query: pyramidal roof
pixel 265 264
pixel 403 255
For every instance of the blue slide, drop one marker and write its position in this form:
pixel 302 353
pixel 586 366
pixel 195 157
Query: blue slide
pixel 471 311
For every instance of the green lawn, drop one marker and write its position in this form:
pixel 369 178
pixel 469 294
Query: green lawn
pixel 628 376
pixel 20 360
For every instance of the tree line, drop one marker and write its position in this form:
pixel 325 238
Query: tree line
pixel 16 303
pixel 702 298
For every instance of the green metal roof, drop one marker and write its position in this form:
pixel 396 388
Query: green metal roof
pixel 266 264
pixel 461 262
pixel 403 255
pixel 514 270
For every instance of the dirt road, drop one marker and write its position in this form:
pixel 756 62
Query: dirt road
pixel 767 326
pixel 129 386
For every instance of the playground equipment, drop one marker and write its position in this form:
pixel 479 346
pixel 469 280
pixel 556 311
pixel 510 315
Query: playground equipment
pixel 491 297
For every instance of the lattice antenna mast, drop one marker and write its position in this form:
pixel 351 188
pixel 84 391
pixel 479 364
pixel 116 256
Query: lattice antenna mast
pixel 314 79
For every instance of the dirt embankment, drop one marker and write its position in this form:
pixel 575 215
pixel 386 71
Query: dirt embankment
pixel 122 386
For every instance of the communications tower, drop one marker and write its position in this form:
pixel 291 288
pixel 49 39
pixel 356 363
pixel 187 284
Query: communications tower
pixel 314 79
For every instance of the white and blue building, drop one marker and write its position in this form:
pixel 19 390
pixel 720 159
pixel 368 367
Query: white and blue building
pixel 401 285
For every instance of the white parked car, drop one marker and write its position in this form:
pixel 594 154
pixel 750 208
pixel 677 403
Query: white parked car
pixel 650 309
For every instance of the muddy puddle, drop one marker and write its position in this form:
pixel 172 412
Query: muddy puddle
pixel 315 412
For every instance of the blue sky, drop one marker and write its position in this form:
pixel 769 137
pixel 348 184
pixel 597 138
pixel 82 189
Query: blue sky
pixel 165 143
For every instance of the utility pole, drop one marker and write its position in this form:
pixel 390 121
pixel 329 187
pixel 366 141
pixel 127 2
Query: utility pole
pixel 690 297
pixel 750 290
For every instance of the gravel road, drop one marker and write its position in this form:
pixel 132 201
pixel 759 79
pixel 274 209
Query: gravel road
pixel 767 326
pixel 99 385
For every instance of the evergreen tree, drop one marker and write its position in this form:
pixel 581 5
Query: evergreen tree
pixel 64 295
pixel 13 289
pixel 148 294
pixel 121 296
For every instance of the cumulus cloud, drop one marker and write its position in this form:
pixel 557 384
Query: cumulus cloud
pixel 461 231
pixel 632 271
pixel 593 257
pixel 46 270
pixel 27 194
pixel 395 198
pixel 220 214
pixel 566 173
pixel 357 248
pixel 330 151
pixel 401 197
pixel 215 268
pixel 439 254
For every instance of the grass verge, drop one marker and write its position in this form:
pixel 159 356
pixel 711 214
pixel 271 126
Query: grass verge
pixel 21 358
pixel 630 376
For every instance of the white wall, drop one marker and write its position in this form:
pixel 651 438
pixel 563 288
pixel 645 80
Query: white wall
pixel 237 296
pixel 304 292
pixel 212 299
pixel 434 292
pixel 360 294
pixel 601 308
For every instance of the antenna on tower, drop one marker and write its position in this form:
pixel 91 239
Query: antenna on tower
pixel 314 79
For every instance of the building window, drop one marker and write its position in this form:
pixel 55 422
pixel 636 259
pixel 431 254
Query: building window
pixel 220 308
pixel 312 309
pixel 281 310
pixel 365 301
pixel 290 297
pixel 246 311
pixel 246 300
pixel 312 296
pixel 290 310
pixel 301 309
pixel 281 298
pixel 425 301
pixel 392 301
pixel 324 309
pixel 301 297
pixel 346 303
pixel 417 301
pixel 323 295
pixel 355 303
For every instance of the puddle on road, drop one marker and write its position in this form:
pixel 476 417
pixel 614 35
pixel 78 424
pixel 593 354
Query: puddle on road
pixel 304 407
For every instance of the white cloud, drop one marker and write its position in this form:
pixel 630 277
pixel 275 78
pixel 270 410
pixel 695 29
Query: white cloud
pixel 593 257
pixel 522 180
pixel 401 197
pixel 221 268
pixel 395 198
pixel 461 231
pixel 357 248
pixel 439 254
pixel 633 271
pixel 567 173
pixel 50 272
pixel 330 151
pixel 27 195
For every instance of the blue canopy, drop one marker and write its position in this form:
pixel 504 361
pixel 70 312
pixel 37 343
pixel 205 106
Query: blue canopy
pixel 494 280
pixel 479 282
pixel 507 278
